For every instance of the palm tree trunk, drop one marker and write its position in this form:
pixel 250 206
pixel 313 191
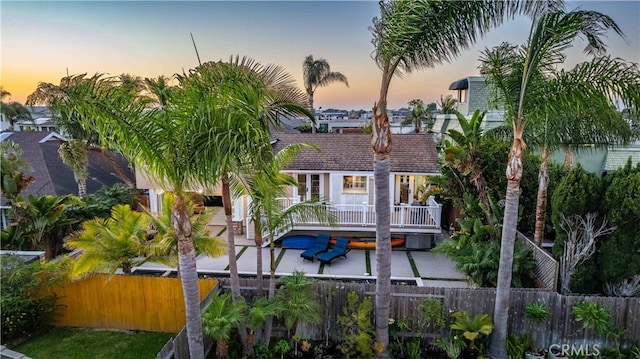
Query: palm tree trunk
pixel 82 187
pixel 310 95
pixel 541 203
pixel 568 157
pixel 231 250
pixel 381 144
pixel 497 349
pixel 258 240
pixel 272 289
pixel 188 276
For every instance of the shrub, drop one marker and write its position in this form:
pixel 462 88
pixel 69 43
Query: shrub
pixel 23 308
pixel 357 329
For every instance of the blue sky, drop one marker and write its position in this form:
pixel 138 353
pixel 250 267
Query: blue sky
pixel 41 41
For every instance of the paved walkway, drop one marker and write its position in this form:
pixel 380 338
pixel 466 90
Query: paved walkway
pixel 425 267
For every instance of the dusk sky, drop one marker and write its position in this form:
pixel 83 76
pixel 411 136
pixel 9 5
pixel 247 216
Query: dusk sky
pixel 41 41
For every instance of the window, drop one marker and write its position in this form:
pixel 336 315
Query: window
pixel 354 184
pixel 462 96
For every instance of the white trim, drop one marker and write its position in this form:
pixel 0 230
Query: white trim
pixel 52 135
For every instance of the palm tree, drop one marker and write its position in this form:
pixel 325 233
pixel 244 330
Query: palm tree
pixel 215 122
pixel 447 104
pixel 420 116
pixel 14 112
pixel 224 314
pixel 117 242
pixel 464 156
pixel 74 154
pixel 317 73
pixel 552 32
pixel 159 89
pixel 67 103
pixel 408 36
pixel 298 301
pixel 265 185
pixel 165 244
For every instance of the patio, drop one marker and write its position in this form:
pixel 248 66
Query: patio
pixel 424 267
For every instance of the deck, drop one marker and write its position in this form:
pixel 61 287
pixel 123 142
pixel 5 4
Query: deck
pixel 362 217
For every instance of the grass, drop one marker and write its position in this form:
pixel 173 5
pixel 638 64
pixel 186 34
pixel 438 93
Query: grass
pixel 72 343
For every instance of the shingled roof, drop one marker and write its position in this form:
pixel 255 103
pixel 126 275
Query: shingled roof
pixel 52 177
pixel 352 152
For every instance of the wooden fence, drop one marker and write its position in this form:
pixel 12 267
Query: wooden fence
pixel 560 329
pixel 178 347
pixel 145 303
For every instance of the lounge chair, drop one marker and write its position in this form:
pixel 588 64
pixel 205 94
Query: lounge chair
pixel 320 245
pixel 339 250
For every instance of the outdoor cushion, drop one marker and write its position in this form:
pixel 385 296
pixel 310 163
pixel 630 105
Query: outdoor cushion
pixel 339 250
pixel 320 245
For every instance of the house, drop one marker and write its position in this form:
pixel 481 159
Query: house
pixel 51 176
pixel 340 172
pixel 473 94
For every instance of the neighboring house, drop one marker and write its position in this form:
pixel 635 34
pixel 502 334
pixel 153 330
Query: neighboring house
pixel 341 174
pixel 51 176
pixel 473 94
pixel 38 124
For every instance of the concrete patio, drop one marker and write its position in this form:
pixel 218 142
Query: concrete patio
pixel 422 266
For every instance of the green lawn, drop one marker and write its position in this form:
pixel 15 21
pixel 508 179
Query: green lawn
pixel 72 343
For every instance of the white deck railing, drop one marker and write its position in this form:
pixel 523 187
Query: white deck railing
pixel 364 215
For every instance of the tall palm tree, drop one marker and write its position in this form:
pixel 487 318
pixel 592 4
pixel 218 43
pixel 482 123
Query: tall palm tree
pixel 552 32
pixel 265 185
pixel 317 73
pixel 215 122
pixel 408 36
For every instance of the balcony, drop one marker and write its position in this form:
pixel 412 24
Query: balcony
pixel 362 217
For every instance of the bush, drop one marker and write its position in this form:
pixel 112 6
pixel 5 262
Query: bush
pixel 23 308
pixel 357 329
pixel 578 193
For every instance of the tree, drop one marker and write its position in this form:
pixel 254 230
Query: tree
pixel 408 36
pixel 265 186
pixel 67 102
pixel 582 233
pixel 215 122
pixel 14 112
pixel 448 104
pixel 117 242
pixel 464 156
pixel 420 116
pixel 74 154
pixel 165 243
pixel 552 32
pixel 224 314
pixel 317 73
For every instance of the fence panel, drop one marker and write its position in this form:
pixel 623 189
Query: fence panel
pixel 125 302
pixel 560 329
